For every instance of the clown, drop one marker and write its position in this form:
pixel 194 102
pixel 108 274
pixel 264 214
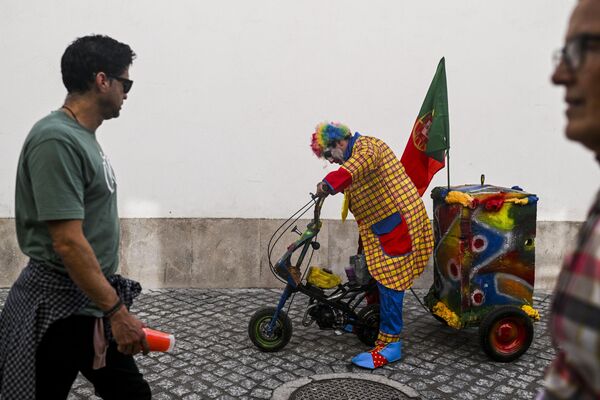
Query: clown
pixel 394 228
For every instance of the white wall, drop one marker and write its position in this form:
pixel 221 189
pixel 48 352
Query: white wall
pixel 227 93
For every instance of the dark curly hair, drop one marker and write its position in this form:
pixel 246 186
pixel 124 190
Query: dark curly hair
pixel 89 55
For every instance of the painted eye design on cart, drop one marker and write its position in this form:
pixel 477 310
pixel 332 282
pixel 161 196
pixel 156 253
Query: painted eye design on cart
pixel 477 297
pixel 453 270
pixel 479 243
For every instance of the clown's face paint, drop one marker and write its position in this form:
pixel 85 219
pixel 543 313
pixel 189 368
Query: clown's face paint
pixel 337 156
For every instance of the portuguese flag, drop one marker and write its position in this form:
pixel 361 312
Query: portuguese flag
pixel 430 137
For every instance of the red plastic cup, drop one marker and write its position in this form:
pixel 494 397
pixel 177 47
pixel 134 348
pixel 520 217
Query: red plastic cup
pixel 159 341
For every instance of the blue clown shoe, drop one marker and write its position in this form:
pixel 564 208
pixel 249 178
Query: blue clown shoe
pixel 379 356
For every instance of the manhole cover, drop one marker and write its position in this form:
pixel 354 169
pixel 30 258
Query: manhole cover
pixel 347 389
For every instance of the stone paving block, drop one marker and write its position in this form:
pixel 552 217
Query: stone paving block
pixel 447 389
pixel 480 390
pixel 419 385
pixel 286 377
pixel 504 389
pixel 180 390
pixel 261 393
pixel 402 378
pixel 322 369
pixel 422 372
pixel 525 394
pixel 258 376
pixel 441 378
pixel 213 393
pixel 429 394
pixel 271 383
pixel 517 383
pixel 163 396
pixel 198 386
pixel 466 396
pixel 226 397
pixel 465 377
pixel 193 396
pixel 484 382
pixel 222 383
pixel 247 383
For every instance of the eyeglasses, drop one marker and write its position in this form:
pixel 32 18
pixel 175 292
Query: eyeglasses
pixel 127 83
pixel 327 152
pixel 573 53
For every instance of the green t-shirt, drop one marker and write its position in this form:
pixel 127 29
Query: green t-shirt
pixel 63 174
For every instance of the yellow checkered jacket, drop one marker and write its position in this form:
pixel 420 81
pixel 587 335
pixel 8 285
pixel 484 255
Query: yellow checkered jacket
pixel 394 227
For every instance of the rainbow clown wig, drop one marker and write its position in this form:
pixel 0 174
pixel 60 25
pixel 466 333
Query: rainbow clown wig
pixel 326 134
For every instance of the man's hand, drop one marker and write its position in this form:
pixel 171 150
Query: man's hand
pixel 82 266
pixel 128 333
pixel 322 189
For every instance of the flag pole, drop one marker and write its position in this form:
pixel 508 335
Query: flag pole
pixel 447 131
pixel 448 164
pixel 448 152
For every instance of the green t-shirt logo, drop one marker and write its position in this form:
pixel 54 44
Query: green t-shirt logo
pixel 109 173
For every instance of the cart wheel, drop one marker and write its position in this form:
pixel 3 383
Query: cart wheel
pixel 505 333
pixel 259 323
pixel 369 329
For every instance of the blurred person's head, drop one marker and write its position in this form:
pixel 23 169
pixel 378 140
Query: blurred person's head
pixel 578 70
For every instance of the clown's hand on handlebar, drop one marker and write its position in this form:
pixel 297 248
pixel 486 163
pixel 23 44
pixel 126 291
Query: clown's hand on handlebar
pixel 323 189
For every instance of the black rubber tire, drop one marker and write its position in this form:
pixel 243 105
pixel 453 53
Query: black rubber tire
pixel 281 334
pixel 369 329
pixel 505 333
pixel 440 319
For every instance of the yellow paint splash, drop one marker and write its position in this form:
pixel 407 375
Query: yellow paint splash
pixel 498 219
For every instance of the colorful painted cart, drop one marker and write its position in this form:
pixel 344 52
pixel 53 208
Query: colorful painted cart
pixel 484 265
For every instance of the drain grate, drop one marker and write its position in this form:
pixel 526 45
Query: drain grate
pixel 347 389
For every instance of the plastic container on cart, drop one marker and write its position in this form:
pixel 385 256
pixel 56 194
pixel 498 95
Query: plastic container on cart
pixel 323 278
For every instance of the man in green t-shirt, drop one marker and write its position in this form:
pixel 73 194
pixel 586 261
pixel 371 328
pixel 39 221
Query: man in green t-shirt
pixel 67 223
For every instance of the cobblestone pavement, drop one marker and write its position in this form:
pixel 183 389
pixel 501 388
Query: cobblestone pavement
pixel 215 359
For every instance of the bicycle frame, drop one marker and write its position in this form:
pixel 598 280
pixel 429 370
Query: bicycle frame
pixel 345 298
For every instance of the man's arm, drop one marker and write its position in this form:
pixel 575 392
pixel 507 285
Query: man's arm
pixel 82 266
pixel 364 159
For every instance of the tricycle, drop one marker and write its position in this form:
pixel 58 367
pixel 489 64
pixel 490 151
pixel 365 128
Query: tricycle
pixel 331 304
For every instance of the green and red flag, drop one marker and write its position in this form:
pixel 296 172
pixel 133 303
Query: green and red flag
pixel 430 137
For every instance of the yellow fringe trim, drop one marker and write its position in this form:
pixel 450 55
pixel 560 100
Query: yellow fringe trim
pixel 449 316
pixel 455 197
pixel 345 205
pixel 520 202
pixel 532 312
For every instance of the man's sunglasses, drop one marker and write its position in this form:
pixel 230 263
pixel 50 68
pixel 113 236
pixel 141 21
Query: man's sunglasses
pixel 127 83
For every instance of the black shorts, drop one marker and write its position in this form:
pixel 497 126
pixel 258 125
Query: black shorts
pixel 67 348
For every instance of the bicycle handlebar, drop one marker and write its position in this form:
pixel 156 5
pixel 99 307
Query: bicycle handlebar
pixel 318 204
